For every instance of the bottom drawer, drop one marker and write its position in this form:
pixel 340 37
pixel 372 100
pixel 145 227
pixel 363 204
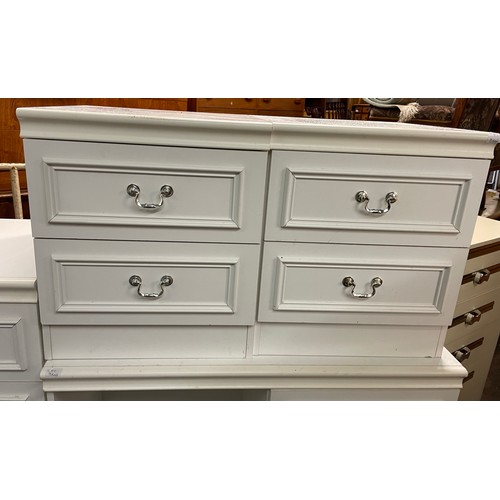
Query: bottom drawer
pixel 146 283
pixel 359 284
pixel 146 342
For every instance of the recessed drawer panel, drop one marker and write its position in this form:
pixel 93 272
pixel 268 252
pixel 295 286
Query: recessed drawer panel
pixel 360 284
pixel 356 198
pixel 113 191
pixel 20 342
pixel 103 282
pixel 13 355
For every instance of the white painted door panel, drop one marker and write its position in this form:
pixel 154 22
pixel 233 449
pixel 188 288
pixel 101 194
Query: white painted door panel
pixel 312 197
pixel 82 192
pixel 304 283
pixel 88 282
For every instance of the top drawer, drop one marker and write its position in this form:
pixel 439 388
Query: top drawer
pixel 313 197
pixel 82 190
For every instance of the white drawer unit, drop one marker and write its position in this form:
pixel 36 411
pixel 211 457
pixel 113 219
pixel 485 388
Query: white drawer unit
pixel 473 334
pixel 240 245
pixel 20 331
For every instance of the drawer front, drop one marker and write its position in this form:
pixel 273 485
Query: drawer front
pixel 97 282
pixel 481 276
pixel 83 191
pixel 308 284
pixel 482 261
pixel 472 315
pixel 20 342
pixel 435 201
pixel 482 343
pixel 482 348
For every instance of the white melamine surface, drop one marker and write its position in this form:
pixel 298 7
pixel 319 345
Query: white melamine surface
pixel 87 282
pixel 18 257
pixel 400 375
pixel 264 210
pixel 146 342
pixel 21 391
pixel 20 342
pixel 339 340
pixel 180 128
pixel 314 198
pixel 20 334
pixel 17 263
pixel 304 283
pixel 217 195
pixel 486 232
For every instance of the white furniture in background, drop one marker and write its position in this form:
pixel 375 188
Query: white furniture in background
pixel 20 331
pixel 474 333
pixel 184 250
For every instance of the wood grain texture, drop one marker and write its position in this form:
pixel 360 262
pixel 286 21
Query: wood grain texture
pixel 250 105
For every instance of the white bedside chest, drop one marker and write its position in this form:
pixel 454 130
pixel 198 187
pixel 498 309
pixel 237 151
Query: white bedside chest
pixel 20 332
pixel 246 246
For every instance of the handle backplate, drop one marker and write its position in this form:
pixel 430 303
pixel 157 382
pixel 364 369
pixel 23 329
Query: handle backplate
pixel 376 282
pixel 390 198
pixel 137 281
pixel 165 192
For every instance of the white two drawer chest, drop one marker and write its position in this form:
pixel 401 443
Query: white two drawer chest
pixel 175 238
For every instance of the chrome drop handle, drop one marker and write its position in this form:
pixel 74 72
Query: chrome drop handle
pixel 390 198
pixel 137 281
pixel 375 283
pixel 135 190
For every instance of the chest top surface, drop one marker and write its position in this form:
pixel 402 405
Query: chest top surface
pixel 486 232
pixel 250 132
pixel 18 260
